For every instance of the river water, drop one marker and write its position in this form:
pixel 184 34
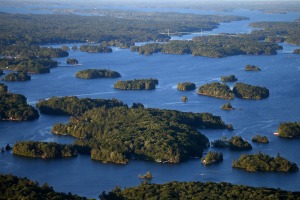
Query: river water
pixel 280 74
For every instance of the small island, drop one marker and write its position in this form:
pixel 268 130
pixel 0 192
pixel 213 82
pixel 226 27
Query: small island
pixel 230 78
pixel 148 175
pixel 186 86
pixel 217 90
pixel 252 68
pixel 184 99
pixel 43 149
pixel 246 91
pixel 227 106
pixel 14 107
pixel 95 48
pixel 235 143
pixel 72 61
pixel 137 84
pixel 289 130
pixel 212 158
pixel 260 139
pixel 264 162
pixel 19 76
pixel 296 51
pixel 97 73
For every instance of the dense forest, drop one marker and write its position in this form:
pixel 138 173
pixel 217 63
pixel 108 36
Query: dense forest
pixel 15 106
pixel 43 149
pixel 246 91
pixel 252 68
pixel 216 89
pixel 19 76
pixel 212 157
pixel 72 61
pixel 260 139
pixel 186 86
pixel 97 73
pixel 137 84
pixel 235 143
pixel 289 130
pixel 120 133
pixel 227 106
pixel 12 187
pixel 198 190
pixel 96 48
pixel 73 105
pixel 264 162
pixel 212 46
pixel 230 78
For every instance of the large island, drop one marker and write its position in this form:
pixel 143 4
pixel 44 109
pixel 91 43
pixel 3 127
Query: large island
pixel 215 89
pixel 137 84
pixel 97 73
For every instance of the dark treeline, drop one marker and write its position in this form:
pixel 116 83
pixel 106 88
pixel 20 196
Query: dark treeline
pixel 264 162
pixel 19 76
pixel 97 73
pixel 235 143
pixel 43 149
pixel 230 78
pixel 186 86
pixel 120 133
pixel 15 106
pixel 216 89
pixel 289 130
pixel 246 91
pixel 96 48
pixel 197 190
pixel 13 187
pixel 73 105
pixel 260 139
pixel 137 84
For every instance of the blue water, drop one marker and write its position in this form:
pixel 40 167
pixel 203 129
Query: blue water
pixel 280 74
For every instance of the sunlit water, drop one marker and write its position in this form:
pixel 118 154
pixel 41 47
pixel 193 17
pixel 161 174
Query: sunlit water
pixel 80 175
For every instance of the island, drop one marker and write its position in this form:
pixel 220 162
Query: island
pixel 95 48
pixel 217 90
pixel 296 51
pixel 97 73
pixel 186 86
pixel 148 175
pixel 260 139
pixel 230 78
pixel 72 105
pixel 43 149
pixel 14 107
pixel 184 99
pixel 246 91
pixel 235 143
pixel 289 130
pixel 65 48
pixel 118 134
pixel 196 190
pixel 252 68
pixel 227 106
pixel 264 162
pixel 13 187
pixel 212 158
pixel 72 61
pixel 136 84
pixel 19 76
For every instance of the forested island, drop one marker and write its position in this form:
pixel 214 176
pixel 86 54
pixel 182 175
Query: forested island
pixel 260 139
pixel 289 130
pixel 97 73
pixel 15 107
pixel 197 190
pixel 73 105
pixel 120 133
pixel 96 48
pixel 13 187
pixel 246 91
pixel 212 46
pixel 235 143
pixel 216 89
pixel 252 68
pixel 230 78
pixel 186 86
pixel 19 76
pixel 227 106
pixel 212 158
pixel 43 149
pixel 264 162
pixel 137 84
pixel 72 61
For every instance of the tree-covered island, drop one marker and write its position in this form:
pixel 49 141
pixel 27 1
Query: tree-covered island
pixel 186 86
pixel 264 162
pixel 72 61
pixel 246 91
pixel 15 107
pixel 252 68
pixel 96 48
pixel 289 130
pixel 227 106
pixel 260 139
pixel 137 84
pixel 97 73
pixel 235 143
pixel 216 89
pixel 230 78
pixel 43 149
pixel 19 76
pixel 212 158
pixel 120 133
